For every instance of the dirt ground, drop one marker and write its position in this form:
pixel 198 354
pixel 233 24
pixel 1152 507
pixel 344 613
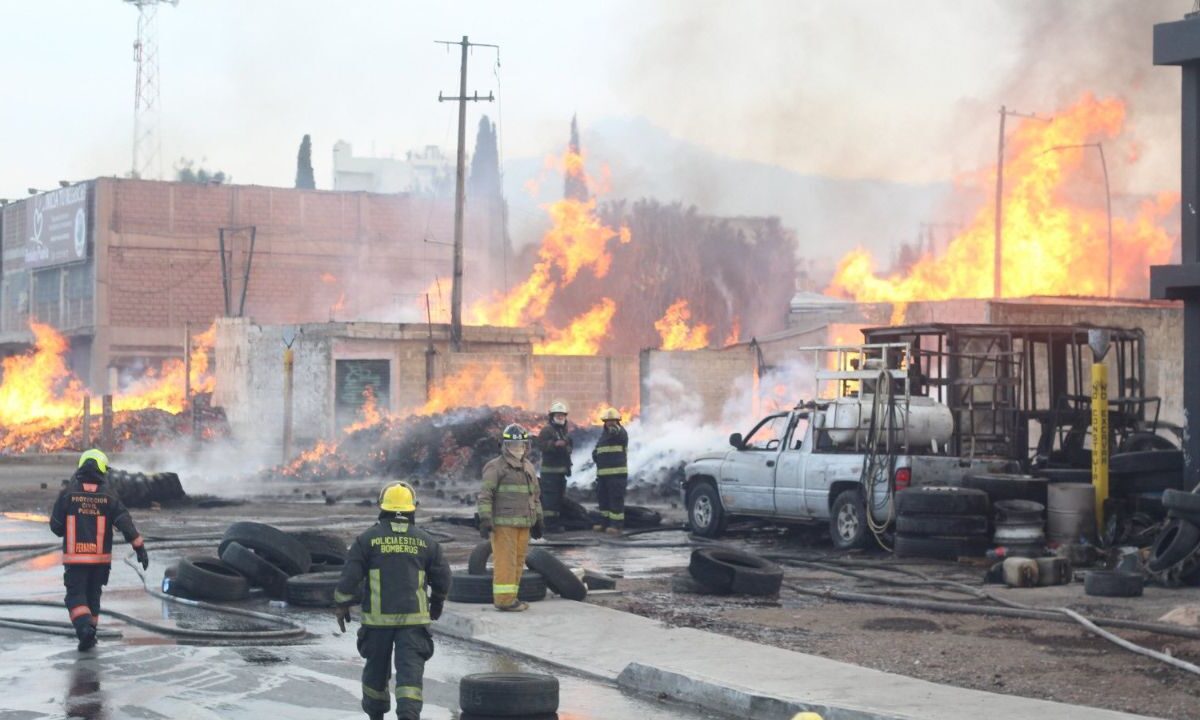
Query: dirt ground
pixel 1031 658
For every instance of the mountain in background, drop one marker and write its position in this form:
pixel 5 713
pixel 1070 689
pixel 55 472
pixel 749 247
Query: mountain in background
pixel 828 215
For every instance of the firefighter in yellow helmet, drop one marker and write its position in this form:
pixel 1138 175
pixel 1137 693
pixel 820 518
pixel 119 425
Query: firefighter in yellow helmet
pixel 407 579
pixel 84 516
pixel 555 446
pixel 612 472
pixel 510 512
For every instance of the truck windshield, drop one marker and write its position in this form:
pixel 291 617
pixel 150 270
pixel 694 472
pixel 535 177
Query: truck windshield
pixel 768 435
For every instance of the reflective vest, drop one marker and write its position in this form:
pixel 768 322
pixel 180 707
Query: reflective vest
pixel 84 516
pixel 398 562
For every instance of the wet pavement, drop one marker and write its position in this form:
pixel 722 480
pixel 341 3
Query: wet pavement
pixel 146 675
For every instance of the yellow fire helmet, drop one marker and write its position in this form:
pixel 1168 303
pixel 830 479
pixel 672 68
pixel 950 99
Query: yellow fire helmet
pixel 610 414
pixel 100 458
pixel 398 497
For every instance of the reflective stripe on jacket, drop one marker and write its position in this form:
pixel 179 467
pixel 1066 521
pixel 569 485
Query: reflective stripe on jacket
pixel 611 453
pixel 84 516
pixel 398 561
pixel 511 494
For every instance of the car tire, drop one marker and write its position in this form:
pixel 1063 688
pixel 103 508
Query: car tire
pixel 477 563
pixel 725 570
pixel 471 588
pixel 324 548
pixel 312 589
pixel 637 516
pixel 1181 500
pixel 939 547
pixel 1146 461
pixel 848 521
pixel 258 571
pixel 1124 484
pixel 942 524
pixel 705 514
pixel 1177 540
pixel 511 695
pixel 1140 441
pixel 1008 486
pixel 273 544
pixel 558 576
pixel 1111 583
pixel 941 500
pixel 208 578
pixel 1065 475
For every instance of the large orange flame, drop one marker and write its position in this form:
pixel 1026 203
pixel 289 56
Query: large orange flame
pixel 577 240
pixel 676 331
pixel 1052 244
pixel 480 384
pixel 583 335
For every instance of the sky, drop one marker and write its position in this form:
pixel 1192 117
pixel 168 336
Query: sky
pixel 903 91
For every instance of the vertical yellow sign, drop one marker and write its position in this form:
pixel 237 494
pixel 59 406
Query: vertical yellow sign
pixel 1100 437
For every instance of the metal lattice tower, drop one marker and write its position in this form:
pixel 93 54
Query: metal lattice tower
pixel 147 144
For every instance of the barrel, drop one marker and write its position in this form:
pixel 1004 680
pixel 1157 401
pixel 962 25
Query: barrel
pixel 1071 512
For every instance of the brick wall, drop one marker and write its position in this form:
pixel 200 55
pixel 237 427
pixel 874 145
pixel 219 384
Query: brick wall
pixel 586 383
pixel 711 380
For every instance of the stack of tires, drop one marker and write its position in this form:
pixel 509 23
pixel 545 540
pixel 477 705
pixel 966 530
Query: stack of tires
pixel 941 522
pixel 527 696
pixel 545 571
pixel 139 490
pixel 301 568
pixel 1175 556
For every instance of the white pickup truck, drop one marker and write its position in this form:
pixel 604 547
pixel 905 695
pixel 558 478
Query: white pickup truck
pixel 797 467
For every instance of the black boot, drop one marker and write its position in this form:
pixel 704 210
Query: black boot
pixel 87 638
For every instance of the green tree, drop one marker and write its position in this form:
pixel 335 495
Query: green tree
pixel 485 163
pixel 304 168
pixel 187 171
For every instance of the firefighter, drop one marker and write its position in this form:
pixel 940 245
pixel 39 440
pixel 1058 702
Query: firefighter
pixel 84 516
pixel 510 511
pixel 612 472
pixel 555 446
pixel 407 579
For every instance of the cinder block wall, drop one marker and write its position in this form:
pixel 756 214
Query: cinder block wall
pixel 716 378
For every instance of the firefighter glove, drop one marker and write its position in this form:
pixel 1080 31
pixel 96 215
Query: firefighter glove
pixel 485 527
pixel 143 557
pixel 535 532
pixel 435 608
pixel 342 614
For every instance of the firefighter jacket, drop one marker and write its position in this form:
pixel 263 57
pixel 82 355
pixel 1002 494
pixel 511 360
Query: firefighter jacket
pixel 611 453
pixel 555 460
pixel 84 516
pixel 398 561
pixel 511 494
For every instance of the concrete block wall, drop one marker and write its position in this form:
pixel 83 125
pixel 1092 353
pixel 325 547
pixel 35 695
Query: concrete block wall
pixel 718 378
pixel 587 383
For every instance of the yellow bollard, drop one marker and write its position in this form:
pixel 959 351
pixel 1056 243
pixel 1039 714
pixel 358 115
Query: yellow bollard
pixel 1100 438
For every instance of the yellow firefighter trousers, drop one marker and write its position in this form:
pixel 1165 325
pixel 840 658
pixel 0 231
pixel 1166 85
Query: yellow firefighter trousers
pixel 508 557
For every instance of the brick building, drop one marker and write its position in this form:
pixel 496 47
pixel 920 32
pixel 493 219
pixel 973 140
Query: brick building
pixel 120 266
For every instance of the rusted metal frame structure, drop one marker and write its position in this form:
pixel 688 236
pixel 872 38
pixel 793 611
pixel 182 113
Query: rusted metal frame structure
pixel 994 379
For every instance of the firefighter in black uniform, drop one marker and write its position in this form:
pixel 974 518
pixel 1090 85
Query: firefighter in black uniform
pixel 398 562
pixel 84 516
pixel 555 445
pixel 612 472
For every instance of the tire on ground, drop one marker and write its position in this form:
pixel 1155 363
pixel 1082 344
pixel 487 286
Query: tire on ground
pixel 1110 583
pixel 477 588
pixel 324 548
pixel 938 500
pixel 1180 500
pixel 515 695
pixel 209 578
pixel 939 547
pixel 558 576
pixel 637 516
pixel 258 571
pixel 477 563
pixel 1177 540
pixel 481 716
pixel 725 570
pixel 312 589
pixel 942 524
pixel 1008 486
pixel 272 544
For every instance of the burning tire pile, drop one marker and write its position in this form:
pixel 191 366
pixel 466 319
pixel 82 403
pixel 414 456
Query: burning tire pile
pixel 301 568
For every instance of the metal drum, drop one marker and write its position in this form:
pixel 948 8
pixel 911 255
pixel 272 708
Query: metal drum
pixel 1071 512
pixel 1020 527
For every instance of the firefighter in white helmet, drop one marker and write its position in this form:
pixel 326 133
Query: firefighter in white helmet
pixel 555 446
pixel 612 472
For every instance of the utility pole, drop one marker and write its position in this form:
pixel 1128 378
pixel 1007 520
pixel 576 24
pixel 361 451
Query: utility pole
pixel 460 185
pixel 998 250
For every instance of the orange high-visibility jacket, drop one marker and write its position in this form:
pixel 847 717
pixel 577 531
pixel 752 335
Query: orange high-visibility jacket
pixel 84 516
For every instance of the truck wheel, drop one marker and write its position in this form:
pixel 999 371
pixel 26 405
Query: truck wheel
pixel 848 520
pixel 705 513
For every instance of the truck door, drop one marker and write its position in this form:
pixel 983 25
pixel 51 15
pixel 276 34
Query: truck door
pixel 748 473
pixel 789 472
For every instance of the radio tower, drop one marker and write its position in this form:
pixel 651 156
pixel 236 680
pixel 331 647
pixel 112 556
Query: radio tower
pixel 147 145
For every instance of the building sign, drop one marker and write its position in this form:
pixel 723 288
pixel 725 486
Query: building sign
pixel 56 226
